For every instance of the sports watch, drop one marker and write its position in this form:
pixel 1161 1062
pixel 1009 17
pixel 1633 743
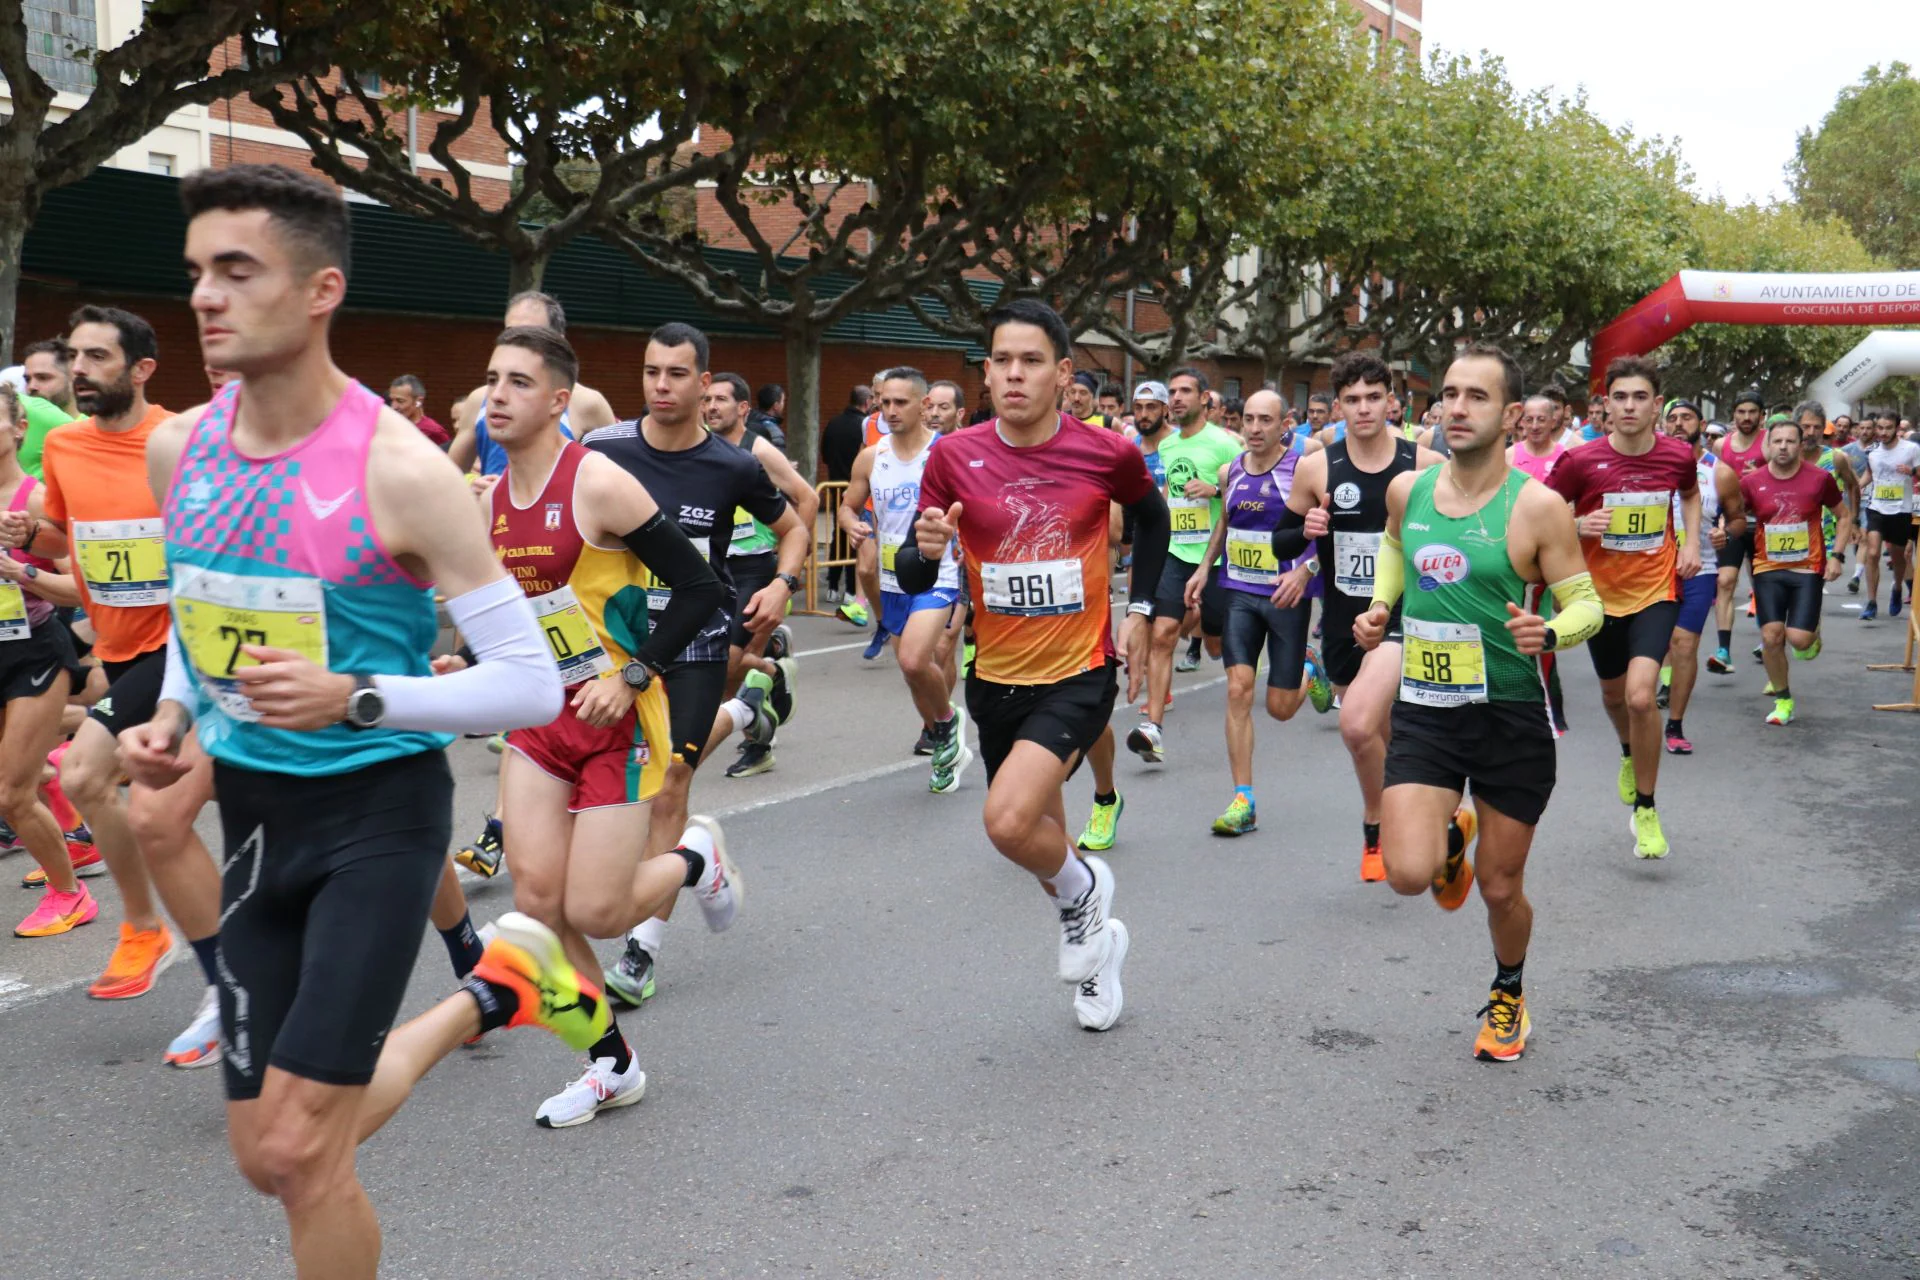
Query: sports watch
pixel 793 583
pixel 366 707
pixel 637 674
pixel 1550 641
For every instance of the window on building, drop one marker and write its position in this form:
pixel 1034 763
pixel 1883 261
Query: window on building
pixel 1302 392
pixel 1230 389
pixel 62 36
pixel 369 82
pixel 160 162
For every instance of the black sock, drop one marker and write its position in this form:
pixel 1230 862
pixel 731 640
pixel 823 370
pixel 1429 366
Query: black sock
pixel 1673 729
pixel 1506 978
pixel 696 865
pixel 497 1003
pixel 1783 692
pixel 1626 751
pixel 1106 797
pixel 1193 647
pixel 463 946
pixel 1372 831
pixel 207 951
pixel 1726 639
pixel 612 1045
pixel 1643 799
pixel 1456 840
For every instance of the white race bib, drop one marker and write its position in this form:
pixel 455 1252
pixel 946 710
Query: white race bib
pixel 1354 555
pixel 219 613
pixel 124 562
pixel 1250 557
pixel 576 648
pixel 1636 521
pixel 1033 588
pixel 1442 664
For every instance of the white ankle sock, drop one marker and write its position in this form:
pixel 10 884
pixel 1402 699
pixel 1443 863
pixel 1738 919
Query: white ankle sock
pixel 650 934
pixel 738 712
pixel 1072 880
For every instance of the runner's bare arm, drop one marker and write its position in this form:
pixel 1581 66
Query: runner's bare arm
pixel 854 498
pixel 1544 546
pixel 1424 457
pixel 1733 508
pixel 164 447
pixel 1688 560
pixel 589 411
pixel 465 442
pixel 806 502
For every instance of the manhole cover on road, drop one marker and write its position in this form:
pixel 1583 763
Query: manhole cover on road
pixel 1738 981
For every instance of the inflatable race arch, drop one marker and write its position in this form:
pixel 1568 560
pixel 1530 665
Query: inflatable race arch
pixel 1878 357
pixel 1729 297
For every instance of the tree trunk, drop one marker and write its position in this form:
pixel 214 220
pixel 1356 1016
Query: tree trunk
pixel 14 221
pixel 526 273
pixel 803 400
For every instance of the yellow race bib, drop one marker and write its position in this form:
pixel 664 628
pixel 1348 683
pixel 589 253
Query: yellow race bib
pixel 220 613
pixel 1442 664
pixel 1788 542
pixel 124 562
pixel 1192 520
pixel 1636 521
pixel 576 648
pixel 1250 557
pixel 13 612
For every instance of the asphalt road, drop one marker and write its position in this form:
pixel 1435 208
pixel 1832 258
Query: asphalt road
pixel 876 1074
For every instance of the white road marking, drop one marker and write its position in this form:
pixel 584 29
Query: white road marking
pixel 832 648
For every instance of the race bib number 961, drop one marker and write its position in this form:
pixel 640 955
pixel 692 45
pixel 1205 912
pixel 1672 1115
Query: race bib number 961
pixel 1034 588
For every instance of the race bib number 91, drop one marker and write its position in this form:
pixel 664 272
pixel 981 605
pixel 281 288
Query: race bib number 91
pixel 1034 588
pixel 1636 521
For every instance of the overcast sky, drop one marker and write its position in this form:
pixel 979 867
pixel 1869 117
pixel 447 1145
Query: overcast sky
pixel 1733 80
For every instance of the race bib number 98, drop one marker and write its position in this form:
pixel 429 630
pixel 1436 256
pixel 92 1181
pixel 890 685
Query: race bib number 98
pixel 1442 664
pixel 1034 588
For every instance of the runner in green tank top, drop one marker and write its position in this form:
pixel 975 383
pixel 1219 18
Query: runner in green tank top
pixel 1467 546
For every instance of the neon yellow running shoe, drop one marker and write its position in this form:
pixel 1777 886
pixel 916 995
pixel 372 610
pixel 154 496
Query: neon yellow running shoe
pixel 855 612
pixel 1103 825
pixel 1237 820
pixel 526 958
pixel 1649 840
pixel 1628 791
pixel 1811 652
pixel 1782 712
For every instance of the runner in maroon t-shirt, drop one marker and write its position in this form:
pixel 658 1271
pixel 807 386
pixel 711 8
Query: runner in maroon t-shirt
pixel 1736 459
pixel 1784 500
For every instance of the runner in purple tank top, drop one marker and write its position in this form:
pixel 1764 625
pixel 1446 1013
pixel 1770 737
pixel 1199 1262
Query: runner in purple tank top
pixel 1268 600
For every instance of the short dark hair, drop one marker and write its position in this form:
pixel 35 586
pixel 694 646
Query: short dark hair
pixel 1037 313
pixel 1110 389
pixel 311 214
pixel 556 314
pixel 908 374
pixel 677 334
pixel 1555 392
pixel 1782 420
pixel 769 396
pixel 959 396
pixel 1359 366
pixel 1234 404
pixel 1514 383
pixel 137 342
pixel 860 397
pixel 1634 367
pixel 1813 407
pixel 734 383
pixel 411 382
pixel 1321 397
pixel 1888 415
pixel 47 347
pixel 1188 371
pixel 553 349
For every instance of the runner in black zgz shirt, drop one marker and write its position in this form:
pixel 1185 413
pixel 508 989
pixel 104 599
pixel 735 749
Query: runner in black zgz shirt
pixel 699 488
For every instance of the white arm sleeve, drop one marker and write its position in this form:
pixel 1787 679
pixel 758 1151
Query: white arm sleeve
pixel 515 685
pixel 178 684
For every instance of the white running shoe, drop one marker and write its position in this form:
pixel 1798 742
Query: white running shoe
pixel 1084 940
pixel 1144 742
pixel 600 1089
pixel 721 892
pixel 1098 1001
pixel 199 1044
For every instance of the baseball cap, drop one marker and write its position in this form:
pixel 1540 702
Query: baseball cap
pixel 1716 428
pixel 1154 391
pixel 1681 402
pixel 1750 396
pixel 1087 380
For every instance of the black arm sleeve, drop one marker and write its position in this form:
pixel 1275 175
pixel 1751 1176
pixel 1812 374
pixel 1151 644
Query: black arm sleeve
pixel 697 593
pixel 914 571
pixel 1152 528
pixel 1290 539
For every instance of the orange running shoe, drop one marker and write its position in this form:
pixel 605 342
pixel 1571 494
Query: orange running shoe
pixel 527 959
pixel 86 863
pixel 1504 1028
pixel 1373 867
pixel 138 960
pixel 1455 881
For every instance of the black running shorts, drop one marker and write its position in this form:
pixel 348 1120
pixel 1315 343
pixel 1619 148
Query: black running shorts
pixel 1341 652
pixel 1645 634
pixel 1170 599
pixel 695 691
pixel 31 666
pixel 1502 751
pixel 323 902
pixel 1253 623
pixel 1737 553
pixel 133 691
pixel 1789 596
pixel 1066 717
pixel 750 575
pixel 1895 528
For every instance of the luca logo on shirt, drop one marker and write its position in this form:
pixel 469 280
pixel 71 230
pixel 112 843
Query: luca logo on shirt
pixel 1440 565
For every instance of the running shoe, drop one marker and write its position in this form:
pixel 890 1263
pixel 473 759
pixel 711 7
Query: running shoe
pixel 526 958
pixel 875 646
pixel 1759 653
pixel 600 1089
pixel 1103 825
pixel 951 755
pixel 1319 688
pixel 1373 866
pixel 138 960
pixel 761 724
pixel 1893 605
pixel 1677 745
pixel 486 854
pixel 84 855
pixel 754 758
pixel 1455 881
pixel 58 913
pixel 780 692
pixel 1665 693
pixel 1721 663
pixel 630 981
pixel 1811 652
pixel 1098 1001
pixel 721 892
pixel 1853 586
pixel 1084 939
pixel 924 747
pixel 1187 661
pixel 1869 611
pixel 1145 742
pixel 199 1044
pixel 1782 712
pixel 853 611
pixel 1629 790
pixel 497 744
pixel 1237 820
pixel 9 838
pixel 780 643
pixel 1649 840
pixel 1504 1028
pixel 1750 610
